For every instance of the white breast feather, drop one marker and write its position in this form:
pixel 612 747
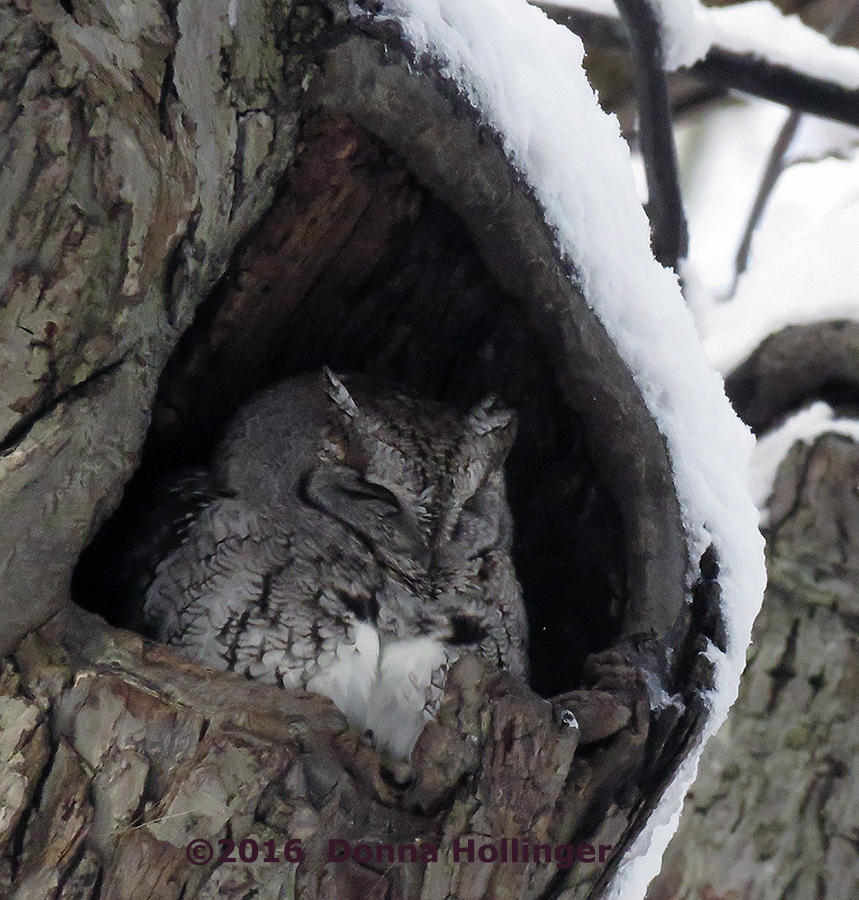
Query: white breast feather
pixel 384 689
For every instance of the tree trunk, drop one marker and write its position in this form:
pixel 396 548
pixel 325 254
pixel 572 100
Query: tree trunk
pixel 198 200
pixel 773 811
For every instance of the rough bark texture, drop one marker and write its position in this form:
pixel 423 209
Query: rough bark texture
pixel 333 199
pixel 773 812
pixel 139 143
pixel 116 753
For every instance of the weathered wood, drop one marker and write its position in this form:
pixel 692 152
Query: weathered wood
pixel 129 174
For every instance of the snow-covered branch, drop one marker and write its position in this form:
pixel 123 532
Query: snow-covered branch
pixel 751 48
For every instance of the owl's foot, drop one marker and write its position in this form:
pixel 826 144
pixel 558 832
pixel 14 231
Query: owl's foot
pixel 398 775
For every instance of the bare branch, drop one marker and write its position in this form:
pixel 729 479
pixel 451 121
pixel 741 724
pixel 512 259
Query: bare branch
pixel 780 84
pixel 772 171
pixel 669 235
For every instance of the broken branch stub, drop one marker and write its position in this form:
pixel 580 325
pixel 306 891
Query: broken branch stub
pixel 794 365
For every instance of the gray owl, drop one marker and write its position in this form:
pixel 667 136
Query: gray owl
pixel 358 540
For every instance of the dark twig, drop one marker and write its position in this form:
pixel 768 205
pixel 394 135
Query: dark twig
pixel 775 161
pixel 721 67
pixel 772 171
pixel 669 235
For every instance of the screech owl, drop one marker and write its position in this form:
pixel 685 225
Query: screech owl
pixel 358 540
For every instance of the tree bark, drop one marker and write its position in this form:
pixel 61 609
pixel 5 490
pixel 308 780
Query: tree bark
pixel 799 361
pixel 129 175
pixel 773 811
pixel 117 754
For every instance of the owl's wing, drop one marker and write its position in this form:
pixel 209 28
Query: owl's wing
pixel 248 595
pixel 117 568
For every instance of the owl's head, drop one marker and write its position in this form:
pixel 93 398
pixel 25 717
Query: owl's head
pixel 418 483
pixel 421 483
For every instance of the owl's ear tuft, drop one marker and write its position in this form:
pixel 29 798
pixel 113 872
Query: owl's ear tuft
pixel 487 419
pixel 338 392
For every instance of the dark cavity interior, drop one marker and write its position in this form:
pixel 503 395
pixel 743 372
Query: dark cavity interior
pixel 359 267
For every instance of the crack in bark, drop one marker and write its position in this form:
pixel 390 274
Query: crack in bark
pixel 168 88
pixel 14 85
pixel 19 431
pixel 820 792
pixel 70 866
pixel 17 841
pixel 784 670
pixel 773 532
pixel 168 92
pixel 789 889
